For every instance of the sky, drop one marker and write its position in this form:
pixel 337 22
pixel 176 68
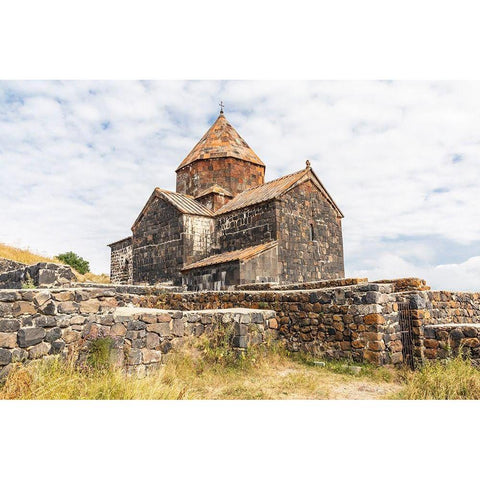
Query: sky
pixel 79 159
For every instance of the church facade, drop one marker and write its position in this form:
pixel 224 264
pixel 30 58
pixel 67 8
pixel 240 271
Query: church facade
pixel 224 226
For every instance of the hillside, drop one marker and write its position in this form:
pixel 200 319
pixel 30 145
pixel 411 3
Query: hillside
pixel 28 257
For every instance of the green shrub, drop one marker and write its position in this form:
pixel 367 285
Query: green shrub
pixel 75 261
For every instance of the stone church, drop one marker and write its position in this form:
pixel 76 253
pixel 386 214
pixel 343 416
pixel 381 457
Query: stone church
pixel 225 226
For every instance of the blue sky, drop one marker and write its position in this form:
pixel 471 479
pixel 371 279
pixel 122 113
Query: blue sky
pixel 402 159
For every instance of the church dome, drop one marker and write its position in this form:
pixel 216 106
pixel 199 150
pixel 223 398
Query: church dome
pixel 221 141
pixel 221 158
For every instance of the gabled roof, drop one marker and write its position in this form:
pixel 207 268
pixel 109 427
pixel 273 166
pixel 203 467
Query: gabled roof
pixel 183 203
pixel 274 189
pixel 221 140
pixel 243 254
pixel 214 189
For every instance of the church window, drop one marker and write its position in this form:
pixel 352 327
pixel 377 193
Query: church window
pixel 312 233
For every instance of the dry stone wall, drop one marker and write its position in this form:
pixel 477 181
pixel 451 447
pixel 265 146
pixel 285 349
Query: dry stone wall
pixel 41 274
pixel 6 265
pixel 343 322
pixel 39 323
pixel 359 321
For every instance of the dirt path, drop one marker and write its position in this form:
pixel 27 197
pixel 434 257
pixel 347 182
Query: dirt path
pixel 362 390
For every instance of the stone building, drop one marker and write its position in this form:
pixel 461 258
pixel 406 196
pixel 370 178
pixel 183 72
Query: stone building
pixel 225 226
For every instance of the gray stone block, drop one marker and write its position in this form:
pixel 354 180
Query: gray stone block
pixel 5 356
pixel 9 325
pixel 53 334
pixel 30 336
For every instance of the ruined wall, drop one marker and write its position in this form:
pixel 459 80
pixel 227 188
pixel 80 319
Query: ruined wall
pixel 39 323
pixel 243 228
pixel 229 173
pixel 301 212
pixel 121 261
pixel 43 274
pixel 158 244
pixel 7 265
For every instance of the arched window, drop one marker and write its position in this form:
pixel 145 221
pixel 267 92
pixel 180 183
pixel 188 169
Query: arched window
pixel 312 233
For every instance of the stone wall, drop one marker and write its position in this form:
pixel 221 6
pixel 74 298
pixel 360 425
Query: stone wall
pixel 41 274
pixel 225 276
pixel 359 321
pixel 310 238
pixel 350 322
pixel 197 238
pixel 341 282
pixel 7 265
pixel 158 244
pixel 443 340
pixel 246 227
pixel 39 323
pixel 212 277
pixel 121 261
pixel 452 307
pixel 232 174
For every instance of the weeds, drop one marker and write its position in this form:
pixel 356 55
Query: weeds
pixel 452 379
pixel 208 368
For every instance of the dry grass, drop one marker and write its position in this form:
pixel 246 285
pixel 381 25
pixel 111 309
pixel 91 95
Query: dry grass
pixel 27 257
pixel 194 374
pixel 23 256
pixel 207 368
pixel 453 379
pixel 93 277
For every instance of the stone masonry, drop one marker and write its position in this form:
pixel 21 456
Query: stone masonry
pixel 222 204
pixel 350 319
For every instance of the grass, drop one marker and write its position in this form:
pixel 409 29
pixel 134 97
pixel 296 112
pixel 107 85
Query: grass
pixel 200 371
pixel 22 256
pixel 207 368
pixel 28 257
pixel 452 379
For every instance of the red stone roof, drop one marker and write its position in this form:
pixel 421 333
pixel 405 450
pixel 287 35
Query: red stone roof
pixel 274 189
pixel 221 140
pixel 226 257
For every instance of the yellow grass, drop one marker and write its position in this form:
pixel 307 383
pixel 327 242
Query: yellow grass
pixel 453 379
pixel 28 257
pixel 23 256
pixel 193 375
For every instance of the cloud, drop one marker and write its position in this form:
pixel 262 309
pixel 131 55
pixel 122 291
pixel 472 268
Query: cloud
pixel 80 158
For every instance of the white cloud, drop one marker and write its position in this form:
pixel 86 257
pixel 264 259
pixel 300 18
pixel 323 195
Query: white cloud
pixel 79 159
pixel 456 276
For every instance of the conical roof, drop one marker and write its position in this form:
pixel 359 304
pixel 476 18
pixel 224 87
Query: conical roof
pixel 221 140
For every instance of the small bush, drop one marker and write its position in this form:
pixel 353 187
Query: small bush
pixel 75 261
